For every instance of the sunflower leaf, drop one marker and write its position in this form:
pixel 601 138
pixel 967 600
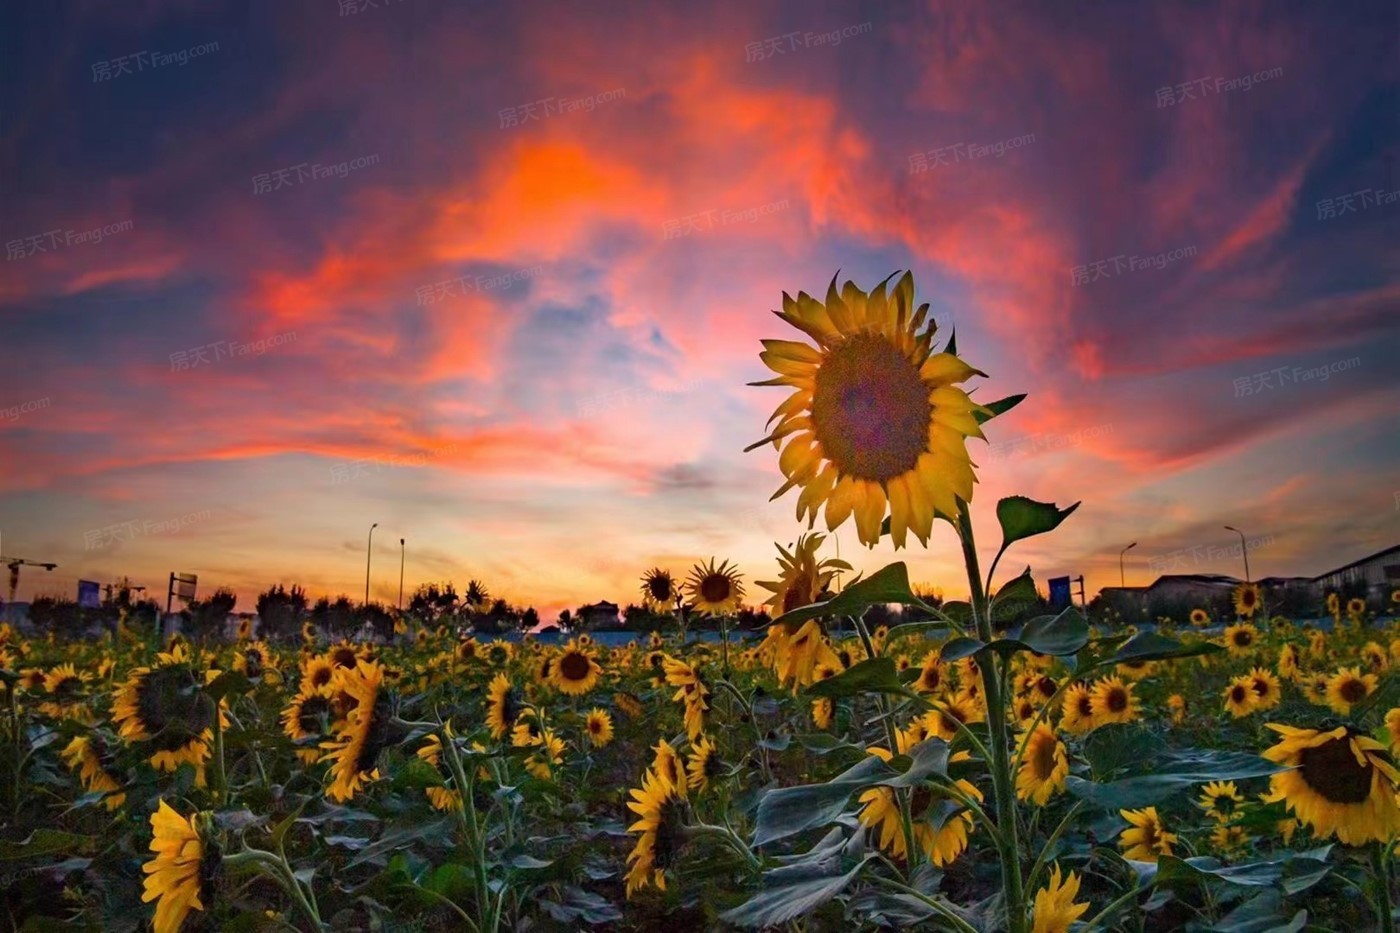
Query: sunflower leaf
pixel 1150 646
pixel 776 905
pixel 1170 775
pixel 1021 518
pixel 999 407
pixel 889 584
pixel 873 675
pixel 785 811
pixel 1060 635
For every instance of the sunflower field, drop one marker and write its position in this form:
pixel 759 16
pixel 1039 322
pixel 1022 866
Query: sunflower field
pixel 952 772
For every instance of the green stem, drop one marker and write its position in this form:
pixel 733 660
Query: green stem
pixel 943 910
pixel 1039 865
pixel 730 837
pixel 1381 863
pixel 280 871
pixel 220 776
pixel 1002 782
pixel 902 795
pixel 1113 908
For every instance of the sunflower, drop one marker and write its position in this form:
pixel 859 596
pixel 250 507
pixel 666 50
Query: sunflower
pixel 947 714
pixel 466 650
pixel 316 672
pixel 931 673
pixel 705 764
pixel 504 705
pixel 89 757
pixel 549 756
pixel 1340 782
pixel 1317 645
pixel 598 724
pixel 346 655
pixel 796 656
pixel 1356 607
pixel 1055 907
pixel 1240 698
pixel 1267 688
pixel 822 712
pixel 1147 838
pixel 1044 767
pixel 876 418
pixel 1373 657
pixel 804 579
pixel 1288 662
pixel 1348 687
pixel 659 590
pixel 1077 709
pixel 941 844
pixel 661 811
pixel 668 764
pixel 184 867
pixel 629 704
pixel 65 680
pixel 1177 704
pixel 1221 800
pixel 714 591
pixel 166 707
pixel 575 672
pixel 1113 702
pixel 254 661
pixel 499 653
pixel 308 717
pixel 354 752
pixel 1334 605
pixel 1200 617
pixel 691 691
pixel 1392 725
pixel 1240 638
pixel 1246 600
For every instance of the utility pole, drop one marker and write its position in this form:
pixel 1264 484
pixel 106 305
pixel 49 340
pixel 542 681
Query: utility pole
pixel 1244 549
pixel 369 549
pixel 1120 563
pixel 402 553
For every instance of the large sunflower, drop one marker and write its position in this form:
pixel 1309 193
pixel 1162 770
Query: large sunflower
pixel 1239 639
pixel 183 869
pixel 714 591
pixel 166 707
pixel 660 809
pixel 941 836
pixel 1348 687
pixel 804 579
pixel 1340 782
pixel 705 764
pixel 1113 702
pixel 354 753
pixel 876 422
pixel 575 672
pixel 1044 767
pixel 659 590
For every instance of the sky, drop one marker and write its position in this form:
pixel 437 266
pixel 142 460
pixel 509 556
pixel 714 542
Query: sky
pixel 494 276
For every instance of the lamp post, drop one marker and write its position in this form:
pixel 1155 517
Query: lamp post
pixel 402 553
pixel 369 549
pixel 1120 563
pixel 1244 549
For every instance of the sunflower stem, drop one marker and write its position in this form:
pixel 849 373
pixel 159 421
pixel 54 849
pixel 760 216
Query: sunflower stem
pixel 220 776
pixel 1381 863
pixel 1008 847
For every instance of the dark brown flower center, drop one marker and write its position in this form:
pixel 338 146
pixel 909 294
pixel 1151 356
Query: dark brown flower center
pixel 1117 700
pixel 1331 770
pixel 1239 693
pixel 574 666
pixel 715 588
pixel 172 707
pixel 870 409
pixel 1043 758
pixel 1353 690
pixel 344 657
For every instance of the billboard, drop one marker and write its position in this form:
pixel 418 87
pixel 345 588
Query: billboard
pixel 1059 593
pixel 185 585
pixel 89 594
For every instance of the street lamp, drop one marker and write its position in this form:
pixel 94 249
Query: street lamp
pixel 402 552
pixel 1244 549
pixel 1120 562
pixel 369 549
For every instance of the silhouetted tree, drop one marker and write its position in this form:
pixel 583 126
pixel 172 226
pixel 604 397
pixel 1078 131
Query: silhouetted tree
pixel 433 603
pixel 281 611
pixel 379 618
pixel 336 618
pixel 63 617
pixel 206 618
pixel 529 620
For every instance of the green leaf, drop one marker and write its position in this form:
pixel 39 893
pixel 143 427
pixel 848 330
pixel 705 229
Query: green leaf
pixel 873 675
pixel 44 842
pixel 1014 597
pixel 887 585
pixel 999 407
pixel 1024 518
pixel 1150 646
pixel 789 899
pixel 785 811
pixel 927 758
pixel 229 682
pixel 1203 868
pixel 1171 774
pixel 1059 635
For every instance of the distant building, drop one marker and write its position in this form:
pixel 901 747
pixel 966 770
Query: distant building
pixel 602 615
pixel 1379 573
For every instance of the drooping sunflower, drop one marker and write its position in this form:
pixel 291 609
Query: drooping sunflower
pixel 90 758
pixel 1340 782
pixel 1247 600
pixel 628 704
pixel 1055 907
pixel 1113 702
pixel 667 763
pixel 1146 838
pixel 714 591
pixel 796 655
pixel 598 724
pixel 804 579
pixel 705 764
pixel 185 865
pixel 504 705
pixel 1240 698
pixel 661 823
pixel 1199 617
pixel 1348 687
pixel 1240 639
pixel 941 844
pixel 1221 800
pixel 166 707
pixel 876 423
pixel 1044 767
pixel 659 590
pixel 575 672
pixel 1288 662
pixel 691 691
pixel 362 735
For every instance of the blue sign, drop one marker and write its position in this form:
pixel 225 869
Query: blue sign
pixel 89 595
pixel 1059 592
